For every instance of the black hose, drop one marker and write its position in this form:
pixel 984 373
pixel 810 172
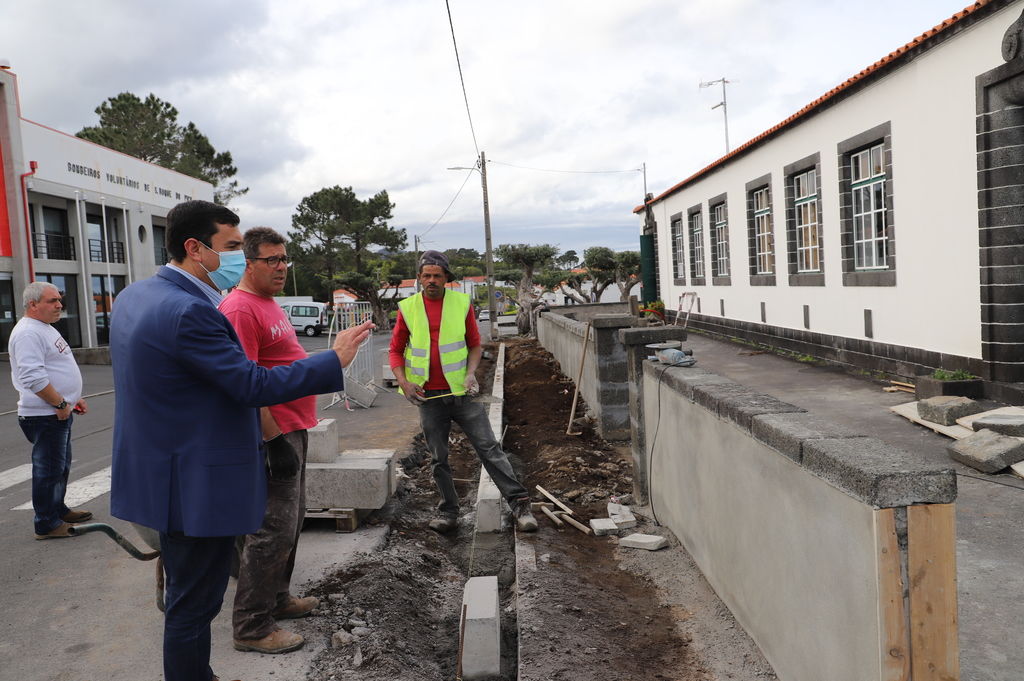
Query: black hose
pixel 76 530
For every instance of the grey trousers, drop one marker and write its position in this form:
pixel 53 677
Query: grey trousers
pixel 268 557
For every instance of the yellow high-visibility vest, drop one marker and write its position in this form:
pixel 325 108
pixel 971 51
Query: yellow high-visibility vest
pixel 451 339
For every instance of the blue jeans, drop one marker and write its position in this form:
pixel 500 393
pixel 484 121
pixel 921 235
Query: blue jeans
pixel 51 465
pixel 197 576
pixel 436 418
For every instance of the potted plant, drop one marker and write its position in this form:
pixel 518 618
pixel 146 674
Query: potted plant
pixel 943 382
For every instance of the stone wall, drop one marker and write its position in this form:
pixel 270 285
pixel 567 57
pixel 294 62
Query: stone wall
pixel 809 532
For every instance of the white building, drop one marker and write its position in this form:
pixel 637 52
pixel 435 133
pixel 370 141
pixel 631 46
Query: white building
pixel 882 225
pixel 91 218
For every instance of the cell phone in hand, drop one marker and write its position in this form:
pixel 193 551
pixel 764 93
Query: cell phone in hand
pixel 77 410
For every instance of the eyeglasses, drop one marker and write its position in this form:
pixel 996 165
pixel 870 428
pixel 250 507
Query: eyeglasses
pixel 275 260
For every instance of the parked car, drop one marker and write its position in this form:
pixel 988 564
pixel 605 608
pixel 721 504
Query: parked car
pixel 485 316
pixel 310 318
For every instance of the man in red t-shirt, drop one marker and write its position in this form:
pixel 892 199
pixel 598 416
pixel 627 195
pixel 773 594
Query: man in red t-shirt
pixel 268 556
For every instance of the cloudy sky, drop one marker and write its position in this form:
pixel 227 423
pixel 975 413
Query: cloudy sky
pixel 314 93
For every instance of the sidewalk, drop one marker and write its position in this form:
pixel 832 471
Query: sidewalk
pixel 990 533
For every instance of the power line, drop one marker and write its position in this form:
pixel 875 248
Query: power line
pixel 579 172
pixel 461 79
pixel 468 175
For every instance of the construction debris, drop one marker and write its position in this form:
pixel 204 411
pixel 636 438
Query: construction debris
pixel 946 409
pixel 621 516
pixel 647 542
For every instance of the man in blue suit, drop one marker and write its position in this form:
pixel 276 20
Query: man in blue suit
pixel 187 459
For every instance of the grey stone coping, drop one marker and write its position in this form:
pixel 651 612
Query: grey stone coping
pixel 651 334
pixel 867 469
pixel 612 321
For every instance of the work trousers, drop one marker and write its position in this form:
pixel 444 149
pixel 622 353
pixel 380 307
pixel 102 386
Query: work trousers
pixel 51 466
pixel 436 418
pixel 267 557
pixel 196 570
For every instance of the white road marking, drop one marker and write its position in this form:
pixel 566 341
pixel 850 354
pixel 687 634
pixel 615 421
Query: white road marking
pixel 81 491
pixel 15 476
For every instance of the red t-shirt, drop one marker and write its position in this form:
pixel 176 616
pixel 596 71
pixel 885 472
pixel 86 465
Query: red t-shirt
pixel 269 340
pixel 400 338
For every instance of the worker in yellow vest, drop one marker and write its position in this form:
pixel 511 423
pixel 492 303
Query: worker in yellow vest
pixel 435 351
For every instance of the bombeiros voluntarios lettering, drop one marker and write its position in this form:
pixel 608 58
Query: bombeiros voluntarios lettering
pixel 121 180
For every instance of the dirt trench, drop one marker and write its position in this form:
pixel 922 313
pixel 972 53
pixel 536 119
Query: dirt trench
pixel 590 619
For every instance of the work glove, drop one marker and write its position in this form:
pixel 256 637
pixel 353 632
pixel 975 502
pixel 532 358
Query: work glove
pixel 282 459
pixel 471 385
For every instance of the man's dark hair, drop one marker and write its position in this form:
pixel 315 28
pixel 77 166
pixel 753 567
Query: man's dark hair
pixel 255 237
pixel 195 220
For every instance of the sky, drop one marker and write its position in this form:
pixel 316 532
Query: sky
pixel 308 94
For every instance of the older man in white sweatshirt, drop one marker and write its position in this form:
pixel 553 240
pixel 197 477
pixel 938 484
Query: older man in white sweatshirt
pixel 49 384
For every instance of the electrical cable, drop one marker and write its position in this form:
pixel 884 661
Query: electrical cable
pixel 994 482
pixel 654 440
pixel 461 79
pixel 577 172
pixel 450 204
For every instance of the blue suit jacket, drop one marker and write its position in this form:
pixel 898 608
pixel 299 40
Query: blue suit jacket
pixel 186 419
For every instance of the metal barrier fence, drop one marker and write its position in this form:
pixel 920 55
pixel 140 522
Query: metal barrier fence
pixel 351 314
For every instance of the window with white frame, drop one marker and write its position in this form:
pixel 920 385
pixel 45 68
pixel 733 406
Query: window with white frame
pixel 720 239
pixel 805 208
pixel 764 246
pixel 867 185
pixel 678 251
pixel 696 246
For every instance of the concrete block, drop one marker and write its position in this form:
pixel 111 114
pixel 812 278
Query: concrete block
pixel 323 442
pixel 648 542
pixel 683 379
pixel 988 451
pixel 1004 424
pixel 390 456
pixel 878 474
pixel 488 505
pixel 603 526
pixel 612 321
pixel 651 334
pixel 946 409
pixel 353 483
pixel 481 649
pixel 787 432
pixel 711 395
pixel 621 516
pixel 741 409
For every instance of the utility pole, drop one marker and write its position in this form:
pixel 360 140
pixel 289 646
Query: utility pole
pixel 488 254
pixel 416 263
pixel 723 104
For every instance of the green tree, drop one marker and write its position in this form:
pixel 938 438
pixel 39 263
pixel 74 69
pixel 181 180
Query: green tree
pixel 333 231
pixel 568 260
pixel 149 130
pixel 606 267
pixel 566 282
pixel 527 260
pixel 377 286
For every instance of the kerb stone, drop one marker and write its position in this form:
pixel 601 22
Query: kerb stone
pixel 352 483
pixel 988 451
pixel 323 442
pixel 946 409
pixel 603 526
pixel 648 542
pixel 481 648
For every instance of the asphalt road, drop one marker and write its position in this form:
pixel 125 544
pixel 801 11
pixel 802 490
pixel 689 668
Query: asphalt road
pixel 82 609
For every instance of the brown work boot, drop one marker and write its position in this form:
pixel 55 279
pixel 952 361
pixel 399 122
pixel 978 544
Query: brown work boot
pixel 76 516
pixel 59 532
pixel 525 522
pixel 444 523
pixel 277 641
pixel 296 607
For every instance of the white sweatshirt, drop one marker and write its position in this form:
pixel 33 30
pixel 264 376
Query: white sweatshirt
pixel 40 356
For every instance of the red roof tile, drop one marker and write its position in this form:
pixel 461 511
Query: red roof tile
pixel 873 70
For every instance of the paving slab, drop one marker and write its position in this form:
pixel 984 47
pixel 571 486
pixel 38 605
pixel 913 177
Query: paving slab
pixel 968 421
pixel 1004 424
pixel 647 542
pixel 622 516
pixel 988 451
pixel 603 526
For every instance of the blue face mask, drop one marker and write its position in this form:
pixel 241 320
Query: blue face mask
pixel 229 272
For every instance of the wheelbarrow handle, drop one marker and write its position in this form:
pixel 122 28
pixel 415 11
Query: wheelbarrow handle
pixel 75 530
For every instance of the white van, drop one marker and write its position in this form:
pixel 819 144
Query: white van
pixel 309 317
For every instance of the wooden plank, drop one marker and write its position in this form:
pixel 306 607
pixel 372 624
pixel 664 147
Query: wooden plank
pixel 894 639
pixel 554 516
pixel 556 502
pixel 905 385
pixel 575 523
pixel 345 519
pixel 931 566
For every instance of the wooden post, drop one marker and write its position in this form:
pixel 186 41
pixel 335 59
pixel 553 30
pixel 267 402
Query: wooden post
pixel 894 642
pixel 931 548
